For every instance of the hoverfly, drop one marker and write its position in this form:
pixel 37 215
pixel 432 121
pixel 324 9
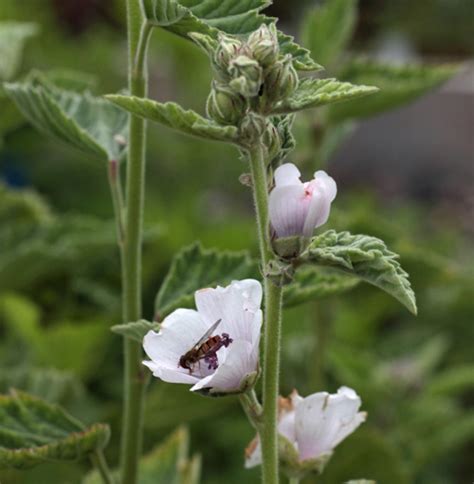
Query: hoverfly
pixel 205 349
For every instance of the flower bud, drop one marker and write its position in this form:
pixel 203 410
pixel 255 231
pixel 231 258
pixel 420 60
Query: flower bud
pixel 271 140
pixel 252 127
pixel 227 49
pixel 281 79
pixel 246 76
pixel 263 44
pixel 225 106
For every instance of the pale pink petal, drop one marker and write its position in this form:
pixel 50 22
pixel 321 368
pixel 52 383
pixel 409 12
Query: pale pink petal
pixel 318 212
pixel 288 208
pixel 253 457
pixel 286 425
pixel 324 180
pixel 287 174
pixel 171 375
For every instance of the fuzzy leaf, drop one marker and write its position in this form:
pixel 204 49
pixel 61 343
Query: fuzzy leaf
pixel 312 93
pixel 195 268
pixel 313 283
pixel 365 257
pixel 13 36
pixel 174 116
pixel 328 28
pixel 398 85
pixel 33 431
pixel 239 17
pixel 136 330
pixel 90 124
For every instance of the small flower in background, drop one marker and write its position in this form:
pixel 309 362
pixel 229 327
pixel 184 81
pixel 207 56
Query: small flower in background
pixel 215 348
pixel 312 427
pixel 297 208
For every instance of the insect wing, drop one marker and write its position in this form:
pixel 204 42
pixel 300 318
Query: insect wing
pixel 207 334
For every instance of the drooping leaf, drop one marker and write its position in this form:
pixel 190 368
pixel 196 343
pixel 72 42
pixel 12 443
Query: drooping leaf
pixel 33 431
pixel 136 330
pixel 13 36
pixel 174 116
pixel 398 85
pixel 312 93
pixel 196 268
pixel 313 283
pixel 238 17
pixel 365 257
pixel 90 124
pixel 328 28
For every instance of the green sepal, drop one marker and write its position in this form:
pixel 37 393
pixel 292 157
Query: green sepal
pixel 290 247
pixel 174 116
pixel 135 331
pixel 33 431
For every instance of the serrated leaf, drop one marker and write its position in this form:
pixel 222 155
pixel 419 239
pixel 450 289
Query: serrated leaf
pixel 33 431
pixel 365 257
pixel 313 283
pixel 195 268
pixel 13 36
pixel 312 93
pixel 328 28
pixel 136 330
pixel 398 85
pixel 90 124
pixel 174 116
pixel 237 17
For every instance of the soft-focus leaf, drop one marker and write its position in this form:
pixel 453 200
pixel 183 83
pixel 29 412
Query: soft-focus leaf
pixel 90 124
pixel 328 28
pixel 239 17
pixel 312 93
pixel 68 79
pixel 398 85
pixel 136 330
pixel 365 257
pixel 196 268
pixel 312 283
pixel 13 36
pixel 33 431
pixel 451 381
pixel 174 116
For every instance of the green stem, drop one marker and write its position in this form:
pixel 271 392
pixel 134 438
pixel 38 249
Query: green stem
pixel 98 459
pixel 134 378
pixel 272 330
pixel 252 408
pixel 117 200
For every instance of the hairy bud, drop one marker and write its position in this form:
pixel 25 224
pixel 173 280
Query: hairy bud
pixel 263 44
pixel 271 140
pixel 224 105
pixel 281 79
pixel 246 76
pixel 228 48
pixel 253 127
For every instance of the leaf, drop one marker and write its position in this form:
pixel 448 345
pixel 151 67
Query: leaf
pixel 33 431
pixel 238 17
pixel 195 268
pixel 365 257
pixel 13 36
pixel 456 380
pixel 136 330
pixel 312 93
pixel 398 85
pixel 174 116
pixel 313 283
pixel 90 124
pixel 328 28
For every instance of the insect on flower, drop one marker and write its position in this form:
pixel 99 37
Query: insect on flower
pixel 205 349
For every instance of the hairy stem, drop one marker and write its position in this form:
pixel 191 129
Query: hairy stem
pixel 252 408
pixel 134 378
pixel 98 459
pixel 272 329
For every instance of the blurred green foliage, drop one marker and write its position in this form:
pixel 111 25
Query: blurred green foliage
pixel 59 280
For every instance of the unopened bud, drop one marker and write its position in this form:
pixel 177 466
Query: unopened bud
pixel 227 49
pixel 246 76
pixel 281 79
pixel 263 44
pixel 271 140
pixel 225 106
pixel 253 127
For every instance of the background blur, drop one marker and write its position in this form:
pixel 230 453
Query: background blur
pixel 405 176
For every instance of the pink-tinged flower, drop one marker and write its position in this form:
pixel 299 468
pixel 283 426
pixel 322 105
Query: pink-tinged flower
pixel 297 208
pixel 223 336
pixel 313 427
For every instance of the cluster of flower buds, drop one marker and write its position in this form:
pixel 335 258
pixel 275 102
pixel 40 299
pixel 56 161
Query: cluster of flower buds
pixel 250 75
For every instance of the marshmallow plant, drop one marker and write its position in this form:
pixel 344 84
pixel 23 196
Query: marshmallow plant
pixel 215 349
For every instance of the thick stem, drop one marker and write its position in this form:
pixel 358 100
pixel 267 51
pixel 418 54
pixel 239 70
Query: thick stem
pixel 272 329
pixel 98 459
pixel 134 378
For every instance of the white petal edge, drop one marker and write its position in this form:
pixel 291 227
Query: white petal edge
pixel 288 209
pixel 287 174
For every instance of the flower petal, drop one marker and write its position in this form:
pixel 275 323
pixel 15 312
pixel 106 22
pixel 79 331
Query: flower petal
pixel 327 182
pixel 288 208
pixel 253 454
pixel 171 375
pixel 238 362
pixel 318 212
pixel 287 174
pixel 237 305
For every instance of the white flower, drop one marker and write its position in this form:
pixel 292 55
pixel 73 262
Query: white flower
pixel 234 358
pixel 314 425
pixel 297 208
